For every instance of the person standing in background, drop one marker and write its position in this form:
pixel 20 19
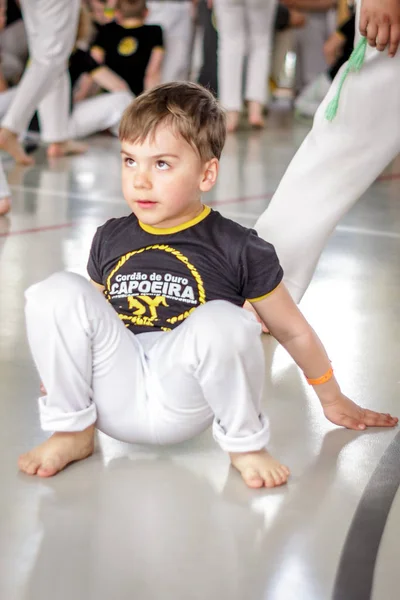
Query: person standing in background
pixel 51 28
pixel 244 27
pixel 176 20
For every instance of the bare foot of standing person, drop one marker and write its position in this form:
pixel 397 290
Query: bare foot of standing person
pixel 5 205
pixel 68 148
pixel 255 112
pixel 10 143
pixel 232 120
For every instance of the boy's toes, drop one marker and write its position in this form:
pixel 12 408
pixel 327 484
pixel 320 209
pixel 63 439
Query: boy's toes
pixel 47 471
pixel 50 467
pixel 28 465
pixel 252 478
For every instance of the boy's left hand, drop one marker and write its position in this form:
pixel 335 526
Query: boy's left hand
pixel 347 413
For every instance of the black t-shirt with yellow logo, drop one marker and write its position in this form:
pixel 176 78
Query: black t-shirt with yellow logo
pixel 128 50
pixel 154 278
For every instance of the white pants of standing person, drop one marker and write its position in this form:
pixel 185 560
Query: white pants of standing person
pixel 88 116
pixel 144 388
pixel 176 20
pixel 334 166
pixel 245 28
pixel 51 29
pixel 309 46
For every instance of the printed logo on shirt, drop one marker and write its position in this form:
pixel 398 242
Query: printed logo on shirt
pixel 151 297
pixel 127 46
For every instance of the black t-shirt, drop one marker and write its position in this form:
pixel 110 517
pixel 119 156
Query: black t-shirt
pixel 81 62
pixel 128 51
pixel 348 29
pixel 155 280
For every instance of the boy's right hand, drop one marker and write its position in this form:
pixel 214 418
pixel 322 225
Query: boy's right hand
pixel 380 24
pixel 343 411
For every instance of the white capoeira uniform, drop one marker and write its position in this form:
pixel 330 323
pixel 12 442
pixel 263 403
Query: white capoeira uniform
pixel 51 29
pixel 334 166
pixel 88 116
pixel 176 20
pixel 160 387
pixel 245 28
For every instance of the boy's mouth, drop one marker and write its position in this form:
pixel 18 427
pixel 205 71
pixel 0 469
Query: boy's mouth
pixel 145 203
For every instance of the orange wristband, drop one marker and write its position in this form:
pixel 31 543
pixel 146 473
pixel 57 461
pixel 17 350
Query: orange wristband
pixel 323 379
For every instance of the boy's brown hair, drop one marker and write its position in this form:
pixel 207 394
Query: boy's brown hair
pixel 131 9
pixel 188 108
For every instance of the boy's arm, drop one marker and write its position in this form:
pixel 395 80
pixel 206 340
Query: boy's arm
pixel 98 54
pixel 83 88
pixel 153 71
pixel 108 80
pixel 287 324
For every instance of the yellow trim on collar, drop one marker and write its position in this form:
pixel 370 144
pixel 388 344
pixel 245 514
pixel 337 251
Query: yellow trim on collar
pixel 165 231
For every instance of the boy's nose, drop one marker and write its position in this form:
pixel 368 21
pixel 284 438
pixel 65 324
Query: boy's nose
pixel 142 180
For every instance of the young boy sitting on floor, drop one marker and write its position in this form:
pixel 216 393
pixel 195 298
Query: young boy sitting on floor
pixel 130 48
pixel 157 346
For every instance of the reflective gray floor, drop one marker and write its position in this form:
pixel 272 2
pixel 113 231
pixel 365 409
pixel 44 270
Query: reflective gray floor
pixel 145 523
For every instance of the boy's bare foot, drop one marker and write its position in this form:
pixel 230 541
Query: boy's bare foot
pixel 70 147
pixel 248 306
pixel 10 143
pixel 57 452
pixel 232 120
pixel 5 205
pixel 259 469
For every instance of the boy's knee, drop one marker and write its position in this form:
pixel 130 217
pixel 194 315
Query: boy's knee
pixel 61 285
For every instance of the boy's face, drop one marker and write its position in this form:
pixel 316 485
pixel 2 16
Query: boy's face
pixel 163 178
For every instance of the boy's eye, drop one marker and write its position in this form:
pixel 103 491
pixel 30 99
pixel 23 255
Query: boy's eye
pixel 130 162
pixel 162 165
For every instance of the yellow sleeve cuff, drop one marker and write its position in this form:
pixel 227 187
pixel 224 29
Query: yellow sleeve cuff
pixel 252 300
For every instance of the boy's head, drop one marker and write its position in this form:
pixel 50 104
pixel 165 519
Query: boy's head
pixel 131 9
pixel 172 138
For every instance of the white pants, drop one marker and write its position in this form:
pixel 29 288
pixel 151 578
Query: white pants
pixel 150 388
pixel 334 166
pixel 176 20
pixel 245 28
pixel 51 28
pixel 99 113
pixel 89 116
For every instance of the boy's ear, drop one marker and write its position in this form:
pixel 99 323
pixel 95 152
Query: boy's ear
pixel 210 174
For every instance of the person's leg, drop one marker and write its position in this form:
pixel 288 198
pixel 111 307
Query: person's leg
pixel 207 371
pixel 231 52
pixel 98 114
pixel 51 29
pixel 334 166
pixel 260 20
pixel 92 369
pixel 208 71
pixel 177 22
pixel 310 44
